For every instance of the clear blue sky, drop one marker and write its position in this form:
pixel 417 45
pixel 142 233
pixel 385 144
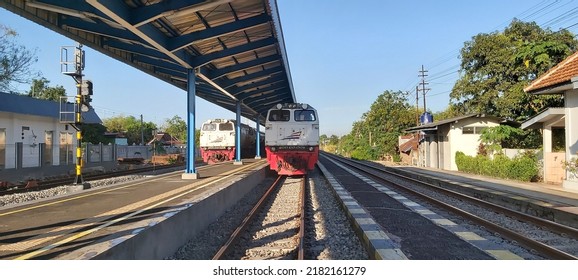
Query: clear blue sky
pixel 342 55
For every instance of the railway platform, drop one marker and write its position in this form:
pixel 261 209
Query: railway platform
pixel 143 219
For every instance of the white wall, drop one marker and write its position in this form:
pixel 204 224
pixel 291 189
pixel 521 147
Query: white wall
pixel 571 122
pixel 466 143
pixel 37 127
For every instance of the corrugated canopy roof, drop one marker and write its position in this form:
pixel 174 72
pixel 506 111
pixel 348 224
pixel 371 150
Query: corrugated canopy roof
pixel 234 45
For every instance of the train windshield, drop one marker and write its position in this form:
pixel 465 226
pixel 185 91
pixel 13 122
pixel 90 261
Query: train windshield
pixel 225 127
pixel 304 115
pixel 279 115
pixel 209 127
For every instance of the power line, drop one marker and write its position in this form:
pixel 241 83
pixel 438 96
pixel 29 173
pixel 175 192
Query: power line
pixel 537 11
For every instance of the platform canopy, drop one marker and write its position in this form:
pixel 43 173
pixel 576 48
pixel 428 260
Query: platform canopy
pixel 235 46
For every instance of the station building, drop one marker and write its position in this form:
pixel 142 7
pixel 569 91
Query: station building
pixel 562 79
pixel 440 140
pixel 33 135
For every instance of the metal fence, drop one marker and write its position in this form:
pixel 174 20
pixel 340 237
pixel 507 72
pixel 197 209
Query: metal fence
pixel 19 155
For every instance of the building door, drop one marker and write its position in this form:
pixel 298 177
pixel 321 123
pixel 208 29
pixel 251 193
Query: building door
pixel 19 154
pixel 47 149
pixel 2 148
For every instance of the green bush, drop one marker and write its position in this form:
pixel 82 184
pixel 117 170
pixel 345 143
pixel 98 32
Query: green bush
pixel 524 167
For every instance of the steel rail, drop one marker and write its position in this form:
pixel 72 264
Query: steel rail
pixel 246 221
pixel 302 207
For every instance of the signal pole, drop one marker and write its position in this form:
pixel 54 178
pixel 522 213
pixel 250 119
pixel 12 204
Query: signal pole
pixel 81 104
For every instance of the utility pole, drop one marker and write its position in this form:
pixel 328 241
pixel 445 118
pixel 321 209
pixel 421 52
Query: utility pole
pixel 141 131
pixel 417 105
pixel 422 75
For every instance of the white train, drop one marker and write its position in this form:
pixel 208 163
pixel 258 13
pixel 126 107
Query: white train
pixel 292 138
pixel 217 140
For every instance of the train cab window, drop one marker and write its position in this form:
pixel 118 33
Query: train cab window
pixel 304 115
pixel 209 127
pixel 279 115
pixel 225 127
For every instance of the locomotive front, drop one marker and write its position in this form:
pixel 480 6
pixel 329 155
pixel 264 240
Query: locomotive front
pixel 292 138
pixel 217 141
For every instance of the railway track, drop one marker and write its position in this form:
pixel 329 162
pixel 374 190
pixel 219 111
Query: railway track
pixel 39 185
pixel 274 228
pixel 530 234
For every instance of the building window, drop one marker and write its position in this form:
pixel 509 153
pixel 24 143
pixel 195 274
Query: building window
pixel 66 148
pixel 473 129
pixel 468 130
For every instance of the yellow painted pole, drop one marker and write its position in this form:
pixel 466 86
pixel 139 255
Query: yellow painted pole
pixel 78 120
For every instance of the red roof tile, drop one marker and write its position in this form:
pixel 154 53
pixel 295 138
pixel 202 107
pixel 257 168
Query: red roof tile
pixel 409 145
pixel 559 74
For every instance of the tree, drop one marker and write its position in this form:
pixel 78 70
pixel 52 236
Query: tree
pixel 329 144
pixel 376 135
pixel 176 127
pixel 131 128
pixel 504 136
pixel 450 112
pixel 15 60
pixel 497 66
pixel 40 90
pixel 94 133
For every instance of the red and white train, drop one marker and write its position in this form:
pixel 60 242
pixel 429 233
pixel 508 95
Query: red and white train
pixel 292 138
pixel 217 141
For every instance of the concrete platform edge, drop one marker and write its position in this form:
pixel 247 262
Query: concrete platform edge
pixel 159 239
pixel 378 245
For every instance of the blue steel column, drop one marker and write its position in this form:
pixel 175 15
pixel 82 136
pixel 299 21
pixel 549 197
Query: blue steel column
pixel 258 152
pixel 238 135
pixel 190 172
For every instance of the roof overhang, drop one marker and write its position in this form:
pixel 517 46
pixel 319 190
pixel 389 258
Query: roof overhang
pixel 552 116
pixel 423 128
pixel 558 88
pixel 230 44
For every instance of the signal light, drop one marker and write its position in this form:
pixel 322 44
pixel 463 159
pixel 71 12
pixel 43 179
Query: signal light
pixel 86 87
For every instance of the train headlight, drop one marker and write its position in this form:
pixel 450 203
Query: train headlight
pixel 311 149
pixel 304 106
pixel 273 149
pixel 279 106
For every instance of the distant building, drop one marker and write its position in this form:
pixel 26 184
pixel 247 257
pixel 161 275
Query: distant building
pixel 166 143
pixel 116 138
pixel 560 79
pixel 440 140
pixel 166 139
pixel 31 134
pixel 408 148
